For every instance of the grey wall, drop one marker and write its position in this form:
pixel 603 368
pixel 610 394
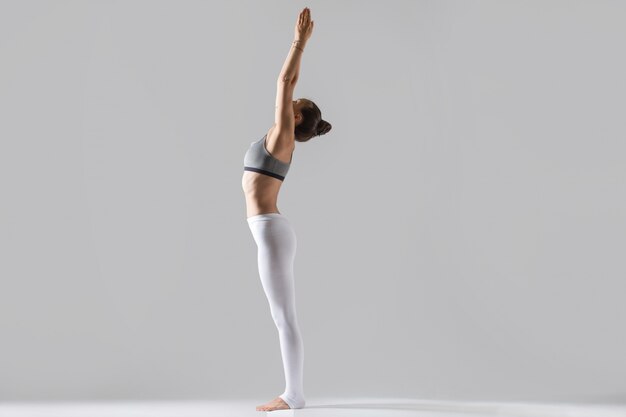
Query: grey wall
pixel 460 229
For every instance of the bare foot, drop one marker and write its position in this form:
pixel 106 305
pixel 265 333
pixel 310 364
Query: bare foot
pixel 276 404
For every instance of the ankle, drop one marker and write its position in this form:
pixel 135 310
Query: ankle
pixel 293 402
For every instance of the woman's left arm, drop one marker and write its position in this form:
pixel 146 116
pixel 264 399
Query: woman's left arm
pixel 291 68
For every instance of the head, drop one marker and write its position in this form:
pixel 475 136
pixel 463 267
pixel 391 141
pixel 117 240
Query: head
pixel 308 118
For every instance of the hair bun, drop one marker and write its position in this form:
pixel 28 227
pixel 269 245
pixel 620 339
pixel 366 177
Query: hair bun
pixel 323 127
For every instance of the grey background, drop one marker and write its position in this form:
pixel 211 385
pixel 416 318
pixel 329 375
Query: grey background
pixel 461 229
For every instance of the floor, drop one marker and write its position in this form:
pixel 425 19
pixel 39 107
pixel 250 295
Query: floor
pixel 335 407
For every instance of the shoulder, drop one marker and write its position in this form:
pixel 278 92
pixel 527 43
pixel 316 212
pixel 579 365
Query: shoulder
pixel 280 138
pixel 280 145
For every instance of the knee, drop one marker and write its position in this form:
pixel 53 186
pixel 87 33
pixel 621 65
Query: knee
pixel 284 320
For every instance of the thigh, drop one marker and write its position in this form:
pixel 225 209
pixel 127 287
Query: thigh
pixel 277 246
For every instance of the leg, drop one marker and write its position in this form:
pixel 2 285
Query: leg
pixel 276 241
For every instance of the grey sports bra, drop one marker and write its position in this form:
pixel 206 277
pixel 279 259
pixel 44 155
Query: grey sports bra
pixel 258 159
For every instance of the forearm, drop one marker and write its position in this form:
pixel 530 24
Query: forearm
pixel 291 67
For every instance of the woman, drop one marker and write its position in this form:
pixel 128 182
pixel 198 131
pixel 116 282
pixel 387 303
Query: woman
pixel 265 166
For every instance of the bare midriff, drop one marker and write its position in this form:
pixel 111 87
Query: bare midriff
pixel 261 193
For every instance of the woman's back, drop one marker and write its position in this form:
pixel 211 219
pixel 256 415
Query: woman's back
pixel 266 164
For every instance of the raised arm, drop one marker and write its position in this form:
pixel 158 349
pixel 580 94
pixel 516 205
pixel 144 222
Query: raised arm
pixel 303 30
pixel 286 83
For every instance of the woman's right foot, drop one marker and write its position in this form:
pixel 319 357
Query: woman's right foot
pixel 276 404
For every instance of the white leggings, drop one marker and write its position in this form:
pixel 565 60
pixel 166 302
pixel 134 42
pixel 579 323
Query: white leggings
pixel 276 242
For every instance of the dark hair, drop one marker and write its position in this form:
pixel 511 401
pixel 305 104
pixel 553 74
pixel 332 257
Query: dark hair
pixel 312 124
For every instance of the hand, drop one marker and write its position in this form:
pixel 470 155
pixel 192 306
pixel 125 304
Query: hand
pixel 304 25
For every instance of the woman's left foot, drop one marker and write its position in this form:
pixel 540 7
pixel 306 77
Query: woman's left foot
pixel 276 404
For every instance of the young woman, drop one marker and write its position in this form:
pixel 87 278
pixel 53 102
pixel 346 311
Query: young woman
pixel 265 166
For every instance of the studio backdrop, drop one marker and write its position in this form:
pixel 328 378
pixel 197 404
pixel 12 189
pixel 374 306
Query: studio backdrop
pixel 461 229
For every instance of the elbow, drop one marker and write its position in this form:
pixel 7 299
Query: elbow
pixel 287 79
